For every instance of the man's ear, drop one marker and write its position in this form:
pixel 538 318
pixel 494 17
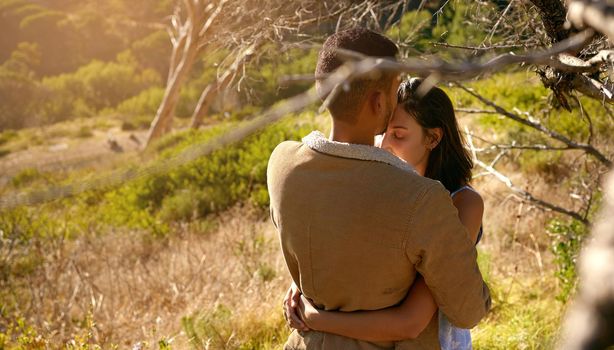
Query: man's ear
pixel 435 136
pixel 377 101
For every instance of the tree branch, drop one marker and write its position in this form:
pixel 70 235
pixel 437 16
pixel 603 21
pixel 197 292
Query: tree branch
pixel 535 124
pixel 527 196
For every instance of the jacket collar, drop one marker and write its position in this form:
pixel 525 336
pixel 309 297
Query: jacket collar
pixel 318 142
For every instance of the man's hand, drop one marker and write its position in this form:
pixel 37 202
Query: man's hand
pixel 290 305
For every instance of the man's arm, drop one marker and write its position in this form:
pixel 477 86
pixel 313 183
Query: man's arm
pixel 446 258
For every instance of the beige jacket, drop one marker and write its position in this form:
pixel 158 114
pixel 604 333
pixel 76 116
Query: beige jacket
pixel 356 224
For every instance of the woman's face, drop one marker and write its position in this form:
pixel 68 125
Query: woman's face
pixel 406 139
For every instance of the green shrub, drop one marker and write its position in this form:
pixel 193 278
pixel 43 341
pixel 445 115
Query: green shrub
pixel 128 126
pixel 84 132
pixel 26 177
pixel 145 103
pixel 181 206
pixel 7 136
pixel 137 123
pixel 18 87
pixel 414 27
pixel 264 83
pixel 207 185
pixel 94 87
pixel 266 272
pixel 151 48
pixel 189 192
pixel 548 164
pixel 567 238
pixel 20 335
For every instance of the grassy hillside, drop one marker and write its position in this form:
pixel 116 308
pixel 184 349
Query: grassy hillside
pixel 187 257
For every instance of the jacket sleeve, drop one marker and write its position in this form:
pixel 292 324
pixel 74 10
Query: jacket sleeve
pixel 446 258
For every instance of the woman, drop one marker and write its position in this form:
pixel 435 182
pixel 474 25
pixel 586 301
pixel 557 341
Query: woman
pixel 423 132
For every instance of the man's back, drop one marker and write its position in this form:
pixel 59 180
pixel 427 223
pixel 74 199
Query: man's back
pixel 351 236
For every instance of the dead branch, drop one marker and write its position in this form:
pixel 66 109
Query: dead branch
pixel 536 125
pixel 514 146
pixel 478 48
pixel 524 195
pixel 469 69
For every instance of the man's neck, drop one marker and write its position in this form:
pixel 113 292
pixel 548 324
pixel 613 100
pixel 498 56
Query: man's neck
pixel 343 132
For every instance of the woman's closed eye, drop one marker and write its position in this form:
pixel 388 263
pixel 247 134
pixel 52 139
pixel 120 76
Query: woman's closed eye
pixel 398 135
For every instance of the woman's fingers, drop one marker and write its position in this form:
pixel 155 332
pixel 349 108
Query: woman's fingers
pixel 296 322
pixel 295 295
pixel 293 318
pixel 289 306
pixel 288 296
pixel 290 303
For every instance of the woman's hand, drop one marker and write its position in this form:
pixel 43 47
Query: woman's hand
pixel 290 305
pixel 308 313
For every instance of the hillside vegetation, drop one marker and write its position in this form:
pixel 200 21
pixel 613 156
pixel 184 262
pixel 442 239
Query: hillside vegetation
pixel 186 257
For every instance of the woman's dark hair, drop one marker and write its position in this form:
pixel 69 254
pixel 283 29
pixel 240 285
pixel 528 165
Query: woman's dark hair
pixel 449 162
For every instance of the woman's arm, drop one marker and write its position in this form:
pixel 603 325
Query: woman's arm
pixel 470 208
pixel 405 321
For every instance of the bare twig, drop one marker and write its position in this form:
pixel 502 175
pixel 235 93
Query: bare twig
pixel 494 28
pixel 469 69
pixel 513 145
pixel 478 48
pixel 525 195
pixel 535 124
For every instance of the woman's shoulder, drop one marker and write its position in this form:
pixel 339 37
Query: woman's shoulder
pixel 468 197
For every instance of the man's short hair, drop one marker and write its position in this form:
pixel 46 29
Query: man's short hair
pixel 361 40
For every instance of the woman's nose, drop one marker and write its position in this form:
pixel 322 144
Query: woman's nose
pixel 385 144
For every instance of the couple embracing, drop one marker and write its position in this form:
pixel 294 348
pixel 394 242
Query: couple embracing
pixel 379 233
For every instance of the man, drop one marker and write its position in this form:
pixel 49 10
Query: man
pixel 356 223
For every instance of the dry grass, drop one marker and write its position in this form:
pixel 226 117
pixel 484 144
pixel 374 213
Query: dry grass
pixel 517 259
pixel 513 231
pixel 218 284
pixel 138 289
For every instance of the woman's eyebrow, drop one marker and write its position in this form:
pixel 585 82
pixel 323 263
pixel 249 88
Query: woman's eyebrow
pixel 399 127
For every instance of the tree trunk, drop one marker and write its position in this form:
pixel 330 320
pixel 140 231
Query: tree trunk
pixel 213 90
pixel 553 14
pixel 207 97
pixel 164 116
pixel 590 323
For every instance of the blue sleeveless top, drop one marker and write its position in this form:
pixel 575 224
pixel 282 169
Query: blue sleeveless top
pixel 451 337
